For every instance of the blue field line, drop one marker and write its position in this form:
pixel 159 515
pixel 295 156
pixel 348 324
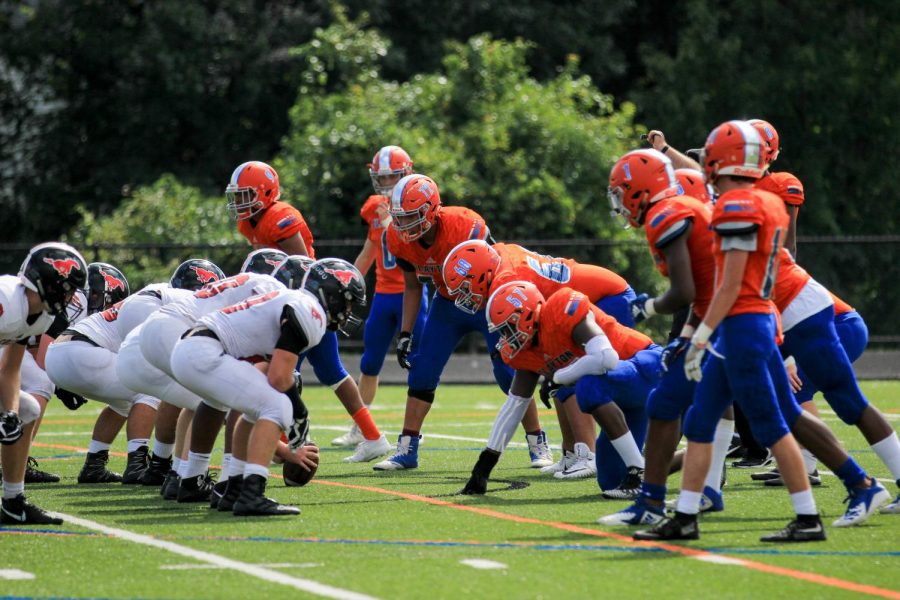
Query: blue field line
pixel 471 544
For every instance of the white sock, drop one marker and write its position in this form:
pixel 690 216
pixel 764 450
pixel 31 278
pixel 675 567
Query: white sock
pixel 176 463
pixel 721 442
pixel 226 466
pixel 198 464
pixel 253 469
pixel 688 502
pixel 11 490
pixel 136 444
pixel 96 446
pixel 628 450
pixel 809 460
pixel 804 503
pixel 237 467
pixel 182 469
pixel 888 450
pixel 162 449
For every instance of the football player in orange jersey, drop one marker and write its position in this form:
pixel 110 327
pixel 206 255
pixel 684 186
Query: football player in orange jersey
pixel 567 338
pixel 657 140
pixel 421 235
pixel 389 164
pixel 473 269
pixel 648 194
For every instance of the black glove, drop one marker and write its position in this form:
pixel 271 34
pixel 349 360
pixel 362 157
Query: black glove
pixel 404 348
pixel 298 432
pixel 70 400
pixel 548 391
pixel 673 351
pixel 10 428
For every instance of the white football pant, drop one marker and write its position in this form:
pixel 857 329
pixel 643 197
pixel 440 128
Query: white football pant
pixel 140 376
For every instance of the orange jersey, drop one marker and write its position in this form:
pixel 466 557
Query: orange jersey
pixel 454 224
pixel 790 280
pixel 388 277
pixel 756 222
pixel 666 220
pixel 555 347
pixel 784 185
pixel 550 274
pixel 840 307
pixel 275 224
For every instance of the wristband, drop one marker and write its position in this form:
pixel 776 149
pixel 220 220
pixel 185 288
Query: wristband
pixel 664 149
pixel 687 331
pixel 701 337
pixel 649 307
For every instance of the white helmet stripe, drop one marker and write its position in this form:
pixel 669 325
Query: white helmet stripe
pixel 384 159
pixel 397 194
pixel 237 172
pixel 752 143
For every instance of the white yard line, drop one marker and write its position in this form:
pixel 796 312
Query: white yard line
pixel 483 564
pixel 15 574
pixel 260 572
pixel 204 566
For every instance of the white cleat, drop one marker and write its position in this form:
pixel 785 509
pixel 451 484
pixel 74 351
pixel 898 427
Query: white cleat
pixel 368 450
pixel 862 503
pixel 539 450
pixel 564 461
pixel 893 508
pixel 354 437
pixel 583 464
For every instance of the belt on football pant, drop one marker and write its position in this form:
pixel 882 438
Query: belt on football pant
pixel 201 332
pixel 70 335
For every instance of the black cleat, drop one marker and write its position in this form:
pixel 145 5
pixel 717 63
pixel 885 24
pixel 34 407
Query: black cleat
pixel 630 488
pixel 195 489
pixel 217 492
pixel 476 486
pixel 137 464
pixel 754 462
pixel 678 527
pixel 253 503
pixel 34 475
pixel 814 479
pixel 169 488
pixel 232 493
pixel 156 473
pixel 481 472
pixel 95 471
pixel 16 511
pixel 765 475
pixel 801 529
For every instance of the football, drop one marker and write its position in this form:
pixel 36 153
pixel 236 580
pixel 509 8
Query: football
pixel 295 475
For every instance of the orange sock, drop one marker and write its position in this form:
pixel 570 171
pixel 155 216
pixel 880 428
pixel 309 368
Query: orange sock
pixel 363 420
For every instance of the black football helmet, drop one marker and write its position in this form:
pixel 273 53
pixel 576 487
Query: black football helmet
pixel 194 273
pixel 339 287
pixel 263 261
pixel 55 271
pixel 106 286
pixel 292 270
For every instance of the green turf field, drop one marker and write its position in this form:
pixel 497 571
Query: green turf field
pixel 407 535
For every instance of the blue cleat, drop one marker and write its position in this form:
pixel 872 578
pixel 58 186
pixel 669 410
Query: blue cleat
pixel 862 504
pixel 638 513
pixel 406 456
pixel 711 501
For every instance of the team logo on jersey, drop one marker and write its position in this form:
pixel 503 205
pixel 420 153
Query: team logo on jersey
pixel 342 275
pixel 317 315
pixel 203 275
pixel 112 282
pixel 285 222
pixel 63 266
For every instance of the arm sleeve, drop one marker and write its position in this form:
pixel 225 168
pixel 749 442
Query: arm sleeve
pixel 57 326
pixel 741 241
pixel 293 338
pixel 600 357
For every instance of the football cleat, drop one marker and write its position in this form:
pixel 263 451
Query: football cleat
pixel 216 495
pixel 894 507
pixel 231 494
pixel 476 486
pixel 157 471
pixel 405 457
pixel 354 437
pixel 814 479
pixel 754 463
pixel 253 503
pixel 564 461
pixel 95 471
pixel 137 464
pixel 805 529
pixel 539 450
pixel 34 475
pixel 765 475
pixel 16 511
pixel 678 527
pixel 711 500
pixel 630 488
pixel 169 488
pixel 195 489
pixel 583 464
pixel 481 472
pixel 639 513
pixel 369 450
pixel 862 504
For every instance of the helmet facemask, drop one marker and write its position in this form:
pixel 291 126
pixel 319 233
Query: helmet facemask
pixel 411 224
pixel 512 340
pixel 243 202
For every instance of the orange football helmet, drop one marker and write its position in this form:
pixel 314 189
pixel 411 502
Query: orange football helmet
pixel 693 185
pixel 733 148
pixel 514 310
pixel 468 273
pixel 253 188
pixel 636 181
pixel 415 202
pixel 769 135
pixel 387 167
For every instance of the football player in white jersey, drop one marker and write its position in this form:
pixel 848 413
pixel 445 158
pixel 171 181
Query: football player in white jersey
pixel 279 325
pixel 29 303
pixel 83 360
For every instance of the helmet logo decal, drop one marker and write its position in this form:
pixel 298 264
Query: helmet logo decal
pixel 426 189
pixel 462 267
pixel 203 275
pixel 268 174
pixel 272 262
pixel 112 282
pixel 63 266
pixel 627 168
pixel 342 275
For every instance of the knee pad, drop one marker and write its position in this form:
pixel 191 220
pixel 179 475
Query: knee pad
pixel 29 408
pixel 147 401
pixel 423 395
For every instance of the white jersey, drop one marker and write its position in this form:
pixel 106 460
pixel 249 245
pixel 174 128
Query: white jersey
pixel 252 328
pixel 14 325
pixel 219 294
pixel 108 328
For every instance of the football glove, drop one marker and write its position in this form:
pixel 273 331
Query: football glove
pixel 404 349
pixel 673 351
pixel 298 432
pixel 10 428
pixel 70 400
pixel 693 362
pixel 548 391
pixel 642 308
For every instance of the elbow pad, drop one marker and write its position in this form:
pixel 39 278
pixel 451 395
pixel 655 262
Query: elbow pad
pixel 599 359
pixel 600 347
